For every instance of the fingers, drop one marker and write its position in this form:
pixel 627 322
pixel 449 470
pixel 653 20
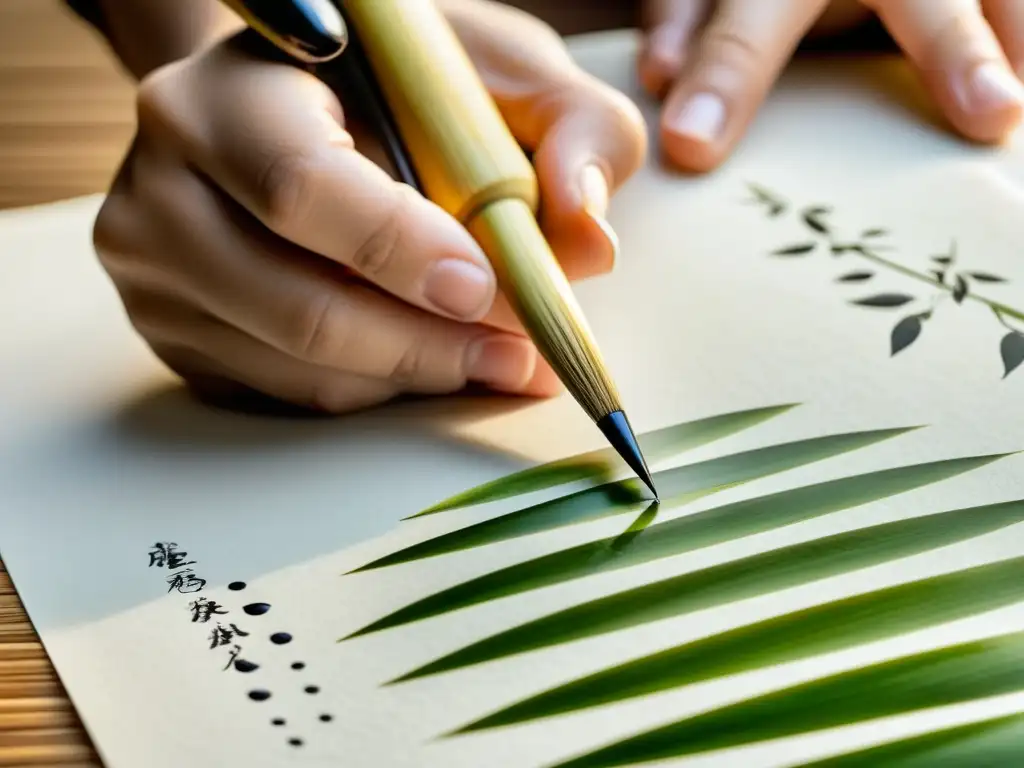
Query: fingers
pixel 737 59
pixel 229 358
pixel 293 302
pixel 270 136
pixel 671 29
pixel 587 138
pixel 1007 20
pixel 960 60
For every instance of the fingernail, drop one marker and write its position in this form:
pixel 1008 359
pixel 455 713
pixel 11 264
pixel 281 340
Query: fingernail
pixel 594 188
pixel 459 288
pixel 501 362
pixel 701 118
pixel 992 87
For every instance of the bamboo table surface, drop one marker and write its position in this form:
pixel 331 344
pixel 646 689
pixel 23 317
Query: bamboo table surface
pixel 65 120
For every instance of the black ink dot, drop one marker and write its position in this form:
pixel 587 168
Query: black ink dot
pixel 280 638
pixel 298 665
pixel 295 742
pixel 256 609
pixel 259 695
pixel 277 721
pixel 326 718
pixel 245 666
pixel 236 586
pixel 312 689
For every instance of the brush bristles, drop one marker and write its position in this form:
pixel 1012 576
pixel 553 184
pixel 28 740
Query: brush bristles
pixel 544 302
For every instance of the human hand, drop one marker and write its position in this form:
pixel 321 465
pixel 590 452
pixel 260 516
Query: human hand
pixel 256 244
pixel 714 62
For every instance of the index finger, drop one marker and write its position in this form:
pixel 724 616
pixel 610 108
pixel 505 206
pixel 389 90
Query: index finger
pixel 272 137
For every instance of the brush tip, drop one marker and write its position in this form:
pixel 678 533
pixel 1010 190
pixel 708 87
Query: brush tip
pixel 616 428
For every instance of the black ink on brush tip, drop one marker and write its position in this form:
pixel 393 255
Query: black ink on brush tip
pixel 280 638
pixel 256 609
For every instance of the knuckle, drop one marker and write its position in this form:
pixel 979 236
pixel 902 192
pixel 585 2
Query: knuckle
pixel 375 255
pixel 727 46
pixel 284 190
pixel 155 97
pixel 409 367
pixel 322 330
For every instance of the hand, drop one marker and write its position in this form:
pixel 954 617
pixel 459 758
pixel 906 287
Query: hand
pixel 714 61
pixel 257 246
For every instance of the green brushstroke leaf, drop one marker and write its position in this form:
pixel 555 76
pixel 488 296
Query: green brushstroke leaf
pixel 943 677
pixel 748 577
pixel 996 743
pixel 601 464
pixel 692 532
pixel 821 629
pixel 675 485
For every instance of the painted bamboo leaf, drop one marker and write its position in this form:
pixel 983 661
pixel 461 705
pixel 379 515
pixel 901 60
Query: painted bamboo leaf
pixel 746 578
pixel 885 300
pixel 960 289
pixel 905 333
pixel 599 465
pixel 986 277
pixel 995 743
pixel 942 677
pixel 692 532
pixel 813 219
pixel 776 205
pixel 826 628
pixel 855 277
pixel 797 249
pixel 675 485
pixel 1012 350
pixel 874 233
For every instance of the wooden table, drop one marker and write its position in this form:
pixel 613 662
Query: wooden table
pixel 65 119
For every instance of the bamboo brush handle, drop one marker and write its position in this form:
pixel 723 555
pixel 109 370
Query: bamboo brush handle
pixel 464 153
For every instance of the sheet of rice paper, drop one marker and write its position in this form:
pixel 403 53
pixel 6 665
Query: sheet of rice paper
pixel 822 345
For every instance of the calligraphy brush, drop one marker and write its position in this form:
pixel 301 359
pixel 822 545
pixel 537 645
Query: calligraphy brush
pixel 446 138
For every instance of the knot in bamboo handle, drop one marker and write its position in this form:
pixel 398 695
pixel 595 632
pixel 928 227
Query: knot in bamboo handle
pixel 465 155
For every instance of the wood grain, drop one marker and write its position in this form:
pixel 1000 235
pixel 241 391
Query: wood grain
pixel 66 111
pixel 66 117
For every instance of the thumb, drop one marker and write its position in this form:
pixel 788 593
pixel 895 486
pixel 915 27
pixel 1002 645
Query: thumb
pixel 586 137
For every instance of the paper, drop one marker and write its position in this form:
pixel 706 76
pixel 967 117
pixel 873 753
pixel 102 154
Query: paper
pixel 822 346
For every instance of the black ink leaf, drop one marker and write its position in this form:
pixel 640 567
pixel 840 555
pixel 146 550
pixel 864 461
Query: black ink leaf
pixel 905 333
pixel 943 260
pixel 856 277
pixel 1012 349
pixel 960 290
pixel 800 249
pixel 939 275
pixel 776 206
pixel 885 300
pixel 874 233
pixel 986 277
pixel 813 216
